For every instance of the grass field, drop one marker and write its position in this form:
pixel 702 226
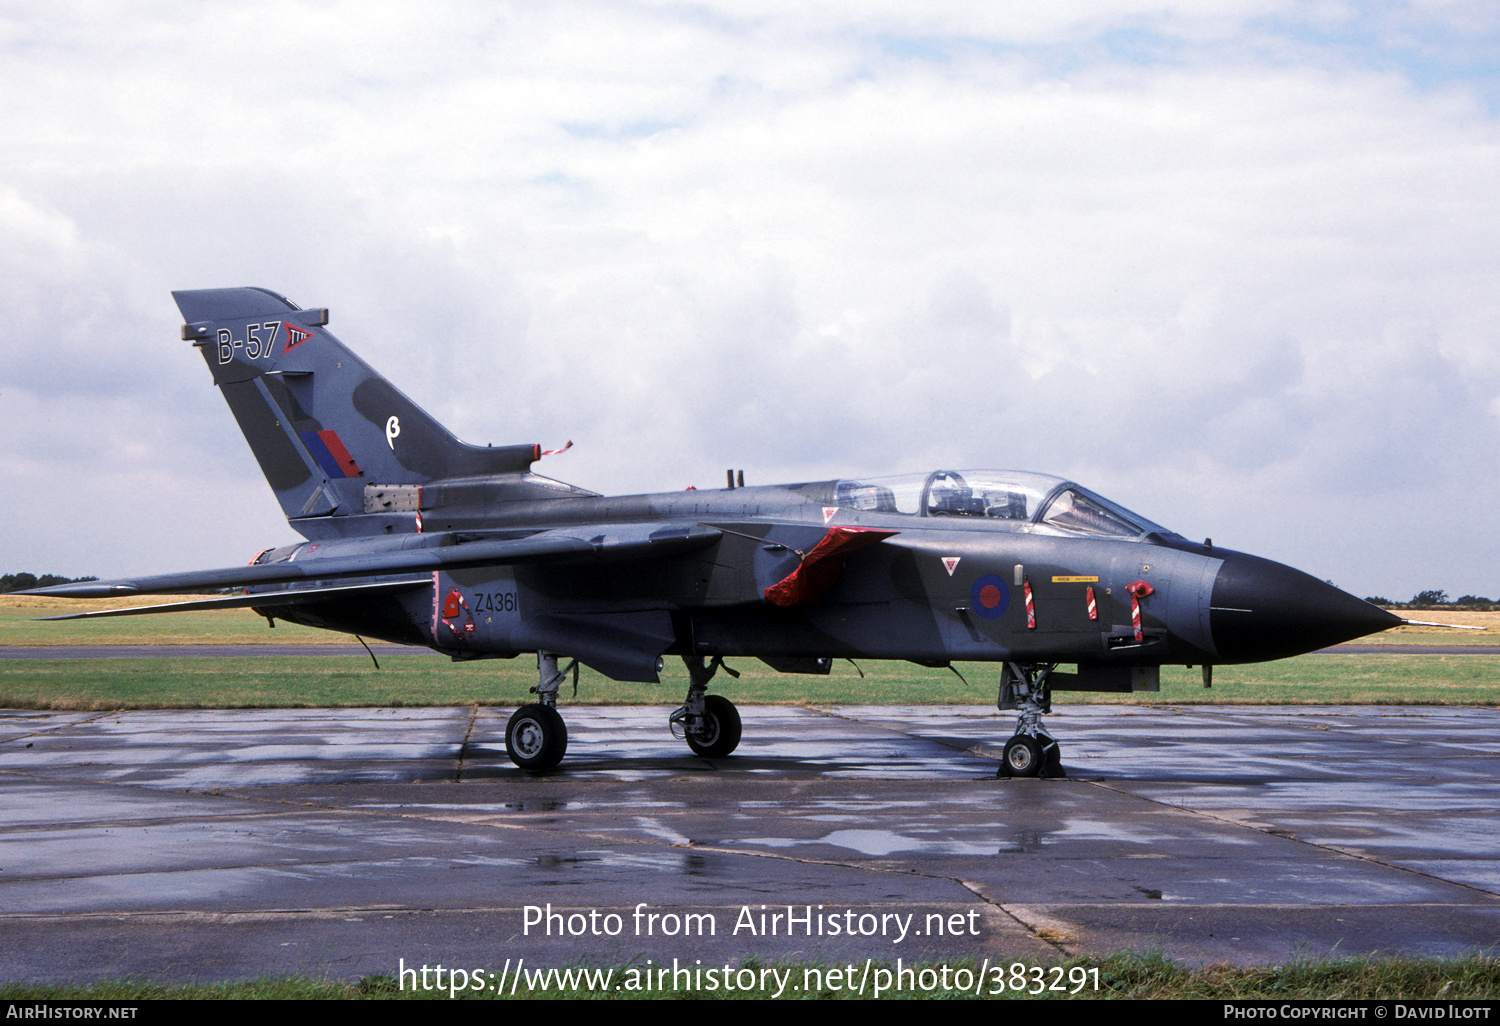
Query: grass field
pixel 430 679
pixel 20 624
pixel 1488 635
pixel 320 681
pixel 1120 976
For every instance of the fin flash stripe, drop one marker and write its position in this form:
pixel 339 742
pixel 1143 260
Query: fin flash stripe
pixel 330 453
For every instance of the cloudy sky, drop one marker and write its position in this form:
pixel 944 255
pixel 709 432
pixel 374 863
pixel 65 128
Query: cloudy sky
pixel 1234 263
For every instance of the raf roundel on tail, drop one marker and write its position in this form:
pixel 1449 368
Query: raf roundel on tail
pixel 416 537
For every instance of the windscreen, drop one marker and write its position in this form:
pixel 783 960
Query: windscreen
pixel 1020 497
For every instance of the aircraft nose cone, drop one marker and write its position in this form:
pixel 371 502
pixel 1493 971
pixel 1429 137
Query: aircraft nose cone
pixel 1263 610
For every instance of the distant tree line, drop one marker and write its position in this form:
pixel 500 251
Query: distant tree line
pixel 1436 599
pixel 25 582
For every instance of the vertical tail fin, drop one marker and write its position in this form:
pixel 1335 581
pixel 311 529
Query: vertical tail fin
pixel 322 424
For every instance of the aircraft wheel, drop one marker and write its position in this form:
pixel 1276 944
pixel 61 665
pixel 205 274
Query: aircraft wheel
pixel 536 738
pixel 1023 756
pixel 721 728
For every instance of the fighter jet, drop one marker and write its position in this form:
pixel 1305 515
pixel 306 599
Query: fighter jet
pixel 418 538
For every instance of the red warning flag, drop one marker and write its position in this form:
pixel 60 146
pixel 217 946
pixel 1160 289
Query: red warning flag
pixel 1138 591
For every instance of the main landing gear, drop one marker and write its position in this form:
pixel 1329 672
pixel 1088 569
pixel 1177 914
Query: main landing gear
pixel 536 738
pixel 1032 752
pixel 710 723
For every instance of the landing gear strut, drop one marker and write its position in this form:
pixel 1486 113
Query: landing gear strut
pixel 536 738
pixel 1032 752
pixel 710 723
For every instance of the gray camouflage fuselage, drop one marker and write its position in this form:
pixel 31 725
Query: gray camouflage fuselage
pixel 417 537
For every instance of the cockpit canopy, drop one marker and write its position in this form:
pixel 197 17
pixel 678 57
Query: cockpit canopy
pixel 1017 496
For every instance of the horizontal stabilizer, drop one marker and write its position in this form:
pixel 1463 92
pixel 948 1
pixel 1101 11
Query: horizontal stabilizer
pixel 572 545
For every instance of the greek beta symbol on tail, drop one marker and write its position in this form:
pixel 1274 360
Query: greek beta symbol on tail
pixel 392 429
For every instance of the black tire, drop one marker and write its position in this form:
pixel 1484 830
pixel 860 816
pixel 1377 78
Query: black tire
pixel 721 728
pixel 536 738
pixel 1023 756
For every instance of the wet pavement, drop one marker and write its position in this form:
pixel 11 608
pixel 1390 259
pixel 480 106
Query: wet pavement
pixel 207 845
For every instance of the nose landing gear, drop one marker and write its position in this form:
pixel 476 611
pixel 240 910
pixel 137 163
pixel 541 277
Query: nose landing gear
pixel 1032 752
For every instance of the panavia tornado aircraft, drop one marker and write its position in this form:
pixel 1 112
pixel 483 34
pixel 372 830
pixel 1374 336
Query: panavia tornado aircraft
pixel 418 538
